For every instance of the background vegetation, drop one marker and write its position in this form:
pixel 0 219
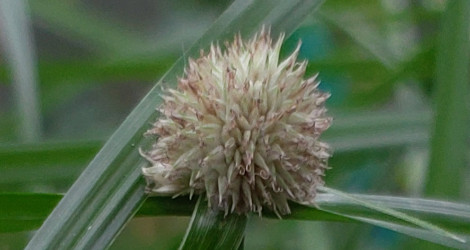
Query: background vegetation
pixel 72 71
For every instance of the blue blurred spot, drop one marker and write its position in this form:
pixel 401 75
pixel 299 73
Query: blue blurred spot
pixel 317 44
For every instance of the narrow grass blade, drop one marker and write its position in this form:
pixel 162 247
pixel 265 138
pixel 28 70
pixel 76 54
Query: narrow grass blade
pixel 107 36
pixel 136 67
pixel 453 216
pixel 25 211
pixel 81 24
pixel 111 188
pixel 417 233
pixel 449 146
pixel 351 132
pixel 210 229
pixel 17 40
pixel 48 153
pixel 394 213
pixel 14 216
pixel 22 166
pixel 363 34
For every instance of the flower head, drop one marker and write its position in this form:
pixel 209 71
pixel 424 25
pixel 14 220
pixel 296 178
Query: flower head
pixel 243 128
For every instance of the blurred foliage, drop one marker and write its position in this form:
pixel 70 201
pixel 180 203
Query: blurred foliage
pixel 379 59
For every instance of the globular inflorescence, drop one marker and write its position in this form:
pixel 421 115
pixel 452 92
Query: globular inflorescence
pixel 243 129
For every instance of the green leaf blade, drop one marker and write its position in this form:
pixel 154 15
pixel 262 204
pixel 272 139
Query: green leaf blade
pixel 17 40
pixel 449 146
pixel 211 229
pixel 402 222
pixel 350 132
pixel 17 214
pixel 455 216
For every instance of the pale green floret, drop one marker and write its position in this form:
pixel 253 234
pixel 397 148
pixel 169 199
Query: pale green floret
pixel 243 129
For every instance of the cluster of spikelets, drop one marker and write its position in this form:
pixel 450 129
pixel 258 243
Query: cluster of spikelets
pixel 242 128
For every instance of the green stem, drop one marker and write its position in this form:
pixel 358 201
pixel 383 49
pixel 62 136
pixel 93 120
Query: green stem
pixel 449 147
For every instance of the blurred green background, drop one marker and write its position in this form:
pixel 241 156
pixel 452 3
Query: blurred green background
pixel 72 70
